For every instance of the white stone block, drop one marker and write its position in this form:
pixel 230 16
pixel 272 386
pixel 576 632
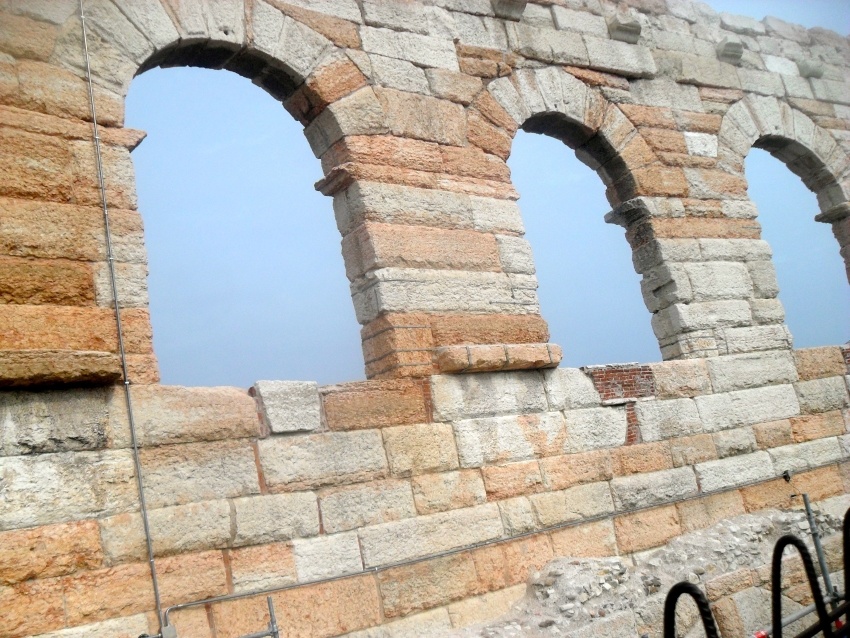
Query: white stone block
pixel 754 338
pixel 701 144
pixel 326 556
pixel 472 395
pixel 734 442
pixel 747 407
pixel 547 45
pixel 515 254
pixel 569 388
pixel 673 418
pixel 357 114
pixel 822 395
pixel 593 428
pixel 751 370
pixel 289 406
pixel 275 517
pixel 628 60
pixel 575 503
pixel 665 92
pixel 422 50
pixel 371 503
pixel 735 470
pixel 509 438
pixel 582 21
pixel 517 516
pixel 653 488
pixel 802 456
pixel 763 275
pixel 734 249
pixel 398 74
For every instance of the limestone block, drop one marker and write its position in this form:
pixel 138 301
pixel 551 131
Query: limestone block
pixel 817 363
pixel 345 9
pixel 447 491
pixel 755 338
pixel 734 470
pixel 701 144
pixel 621 58
pixel 582 21
pixel 400 17
pixel 661 420
pixel 664 285
pixel 175 530
pixel 419 449
pixel 484 608
pixel 734 249
pixel 109 22
pixel 49 551
pixel 517 516
pixel 515 254
pixel 593 428
pixel 741 371
pixel 53 421
pixel 275 517
pixel 761 82
pixel 131 281
pixel 509 438
pixel 624 26
pixel 747 407
pixel 463 396
pixel 763 275
pixel 262 567
pixel 422 117
pixel 422 50
pixel 357 114
pixel 174 414
pixel 300 48
pixel 289 406
pixel 675 379
pixel 561 93
pixel 151 19
pixel 810 68
pixel 426 535
pixel 730 49
pixel 575 503
pixel 125 627
pixel 456 87
pixel 509 9
pixel 326 556
pixel 509 98
pixel 334 458
pixel 822 395
pixel 734 442
pixel 357 506
pixel 658 251
pixel 664 92
pixel 569 388
pixel 480 31
pixel 71 486
pixel 742 24
pixel 719 280
pixel 435 621
pixel 802 456
pixel 767 311
pixel 495 215
pixel 653 488
pixel 398 74
pixel 191 472
pixel 700 316
pixel 547 45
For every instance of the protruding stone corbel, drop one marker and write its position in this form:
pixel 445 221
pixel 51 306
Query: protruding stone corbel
pixel 730 49
pixel 629 212
pixel 834 214
pixel 624 26
pixel 509 9
pixel 810 68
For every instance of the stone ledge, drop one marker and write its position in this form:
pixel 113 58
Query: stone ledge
pixel 490 358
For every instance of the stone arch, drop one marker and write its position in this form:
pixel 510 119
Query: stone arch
pixel 551 101
pixel 808 150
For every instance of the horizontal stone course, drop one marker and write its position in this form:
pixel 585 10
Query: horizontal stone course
pixel 746 407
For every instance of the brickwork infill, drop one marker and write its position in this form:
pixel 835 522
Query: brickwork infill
pixel 411 112
pixel 477 478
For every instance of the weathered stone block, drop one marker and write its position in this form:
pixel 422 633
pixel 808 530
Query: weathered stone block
pixel 734 442
pixel 741 371
pixel 315 460
pixel 674 379
pixel 817 363
pixel 817 426
pixel 562 472
pixel 575 503
pixel 512 479
pixel 289 406
pixel 719 280
pixel 735 470
pixel 660 420
pixel 374 404
pixel 517 516
pixel 447 491
pixel 621 58
pixel 48 551
pixel 690 450
pixel 357 506
pixel 464 396
pixel 510 438
pixel 822 395
pixel 747 407
pixel 418 449
pixel 425 535
pixel 642 530
pixel 641 458
pixel 275 517
pixel 585 541
pixel 262 567
pixel 547 45
pixel 422 50
pixel 569 388
pixel 326 556
pixel 653 488
pixel 802 456
pixel 593 428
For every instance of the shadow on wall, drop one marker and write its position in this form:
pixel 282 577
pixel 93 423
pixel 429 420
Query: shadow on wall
pixel 809 269
pixel 246 276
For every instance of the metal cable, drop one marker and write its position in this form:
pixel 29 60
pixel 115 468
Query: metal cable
pixel 474 546
pixel 110 258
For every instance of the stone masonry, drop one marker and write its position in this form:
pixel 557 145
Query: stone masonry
pixel 424 497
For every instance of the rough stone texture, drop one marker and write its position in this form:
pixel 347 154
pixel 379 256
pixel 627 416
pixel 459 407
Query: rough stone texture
pixel 289 406
pixel 358 506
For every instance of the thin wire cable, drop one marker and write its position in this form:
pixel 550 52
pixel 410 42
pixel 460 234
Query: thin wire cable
pixel 110 258
pixel 478 545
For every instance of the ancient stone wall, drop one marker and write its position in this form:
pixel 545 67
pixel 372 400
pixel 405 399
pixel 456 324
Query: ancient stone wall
pixel 467 460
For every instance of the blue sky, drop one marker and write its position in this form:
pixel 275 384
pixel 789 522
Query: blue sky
pixel 246 276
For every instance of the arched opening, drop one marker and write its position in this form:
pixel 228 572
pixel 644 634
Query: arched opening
pixel 589 292
pixel 246 277
pixel 809 270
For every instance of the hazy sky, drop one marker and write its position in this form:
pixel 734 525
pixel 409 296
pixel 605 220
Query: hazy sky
pixel 246 276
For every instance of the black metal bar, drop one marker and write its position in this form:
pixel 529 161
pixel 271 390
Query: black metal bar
pixel 776 586
pixel 678 590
